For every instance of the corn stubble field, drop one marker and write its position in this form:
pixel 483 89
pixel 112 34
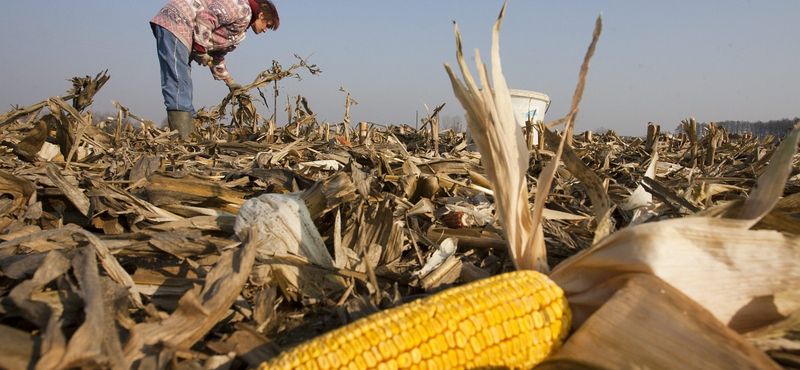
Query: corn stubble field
pixel 317 245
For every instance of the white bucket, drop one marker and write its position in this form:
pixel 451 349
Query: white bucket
pixel 529 106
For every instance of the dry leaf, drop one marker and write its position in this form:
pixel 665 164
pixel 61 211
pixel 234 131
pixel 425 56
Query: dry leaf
pixel 201 309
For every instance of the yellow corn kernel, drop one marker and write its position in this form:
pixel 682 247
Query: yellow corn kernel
pixel 461 340
pixel 513 320
pixel 450 338
pixel 404 361
pixel 369 358
pixel 416 355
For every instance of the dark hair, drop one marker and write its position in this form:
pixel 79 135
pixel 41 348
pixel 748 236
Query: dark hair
pixel 267 8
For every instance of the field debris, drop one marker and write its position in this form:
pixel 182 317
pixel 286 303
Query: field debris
pixel 121 246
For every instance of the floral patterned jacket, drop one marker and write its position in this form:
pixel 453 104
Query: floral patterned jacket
pixel 216 26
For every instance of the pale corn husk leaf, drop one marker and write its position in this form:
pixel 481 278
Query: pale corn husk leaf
pixel 490 118
pixel 550 214
pixel 641 202
pixel 48 151
pixel 339 249
pixel 501 143
pixel 284 220
pixel 640 198
pixel 447 248
pixel 733 272
pixel 327 165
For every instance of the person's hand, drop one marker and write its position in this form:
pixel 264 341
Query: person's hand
pixel 202 59
pixel 233 86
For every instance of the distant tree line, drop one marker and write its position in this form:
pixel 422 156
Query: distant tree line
pixel 777 128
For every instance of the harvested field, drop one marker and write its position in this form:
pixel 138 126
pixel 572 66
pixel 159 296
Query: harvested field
pixel 123 247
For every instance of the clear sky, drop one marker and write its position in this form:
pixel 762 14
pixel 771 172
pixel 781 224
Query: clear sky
pixel 656 61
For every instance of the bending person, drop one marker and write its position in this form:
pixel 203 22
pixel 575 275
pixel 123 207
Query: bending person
pixel 203 31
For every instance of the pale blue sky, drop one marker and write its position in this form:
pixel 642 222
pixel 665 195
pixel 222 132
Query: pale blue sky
pixel 656 61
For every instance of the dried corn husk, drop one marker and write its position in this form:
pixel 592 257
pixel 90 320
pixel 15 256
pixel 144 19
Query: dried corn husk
pixel 648 324
pixel 641 201
pixel 286 226
pixel 285 222
pixel 447 248
pixel 490 118
pixel 733 272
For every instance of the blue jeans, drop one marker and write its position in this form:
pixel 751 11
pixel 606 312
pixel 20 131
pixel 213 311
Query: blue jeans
pixel 176 73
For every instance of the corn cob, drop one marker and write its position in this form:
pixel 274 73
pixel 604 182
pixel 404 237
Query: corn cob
pixel 512 320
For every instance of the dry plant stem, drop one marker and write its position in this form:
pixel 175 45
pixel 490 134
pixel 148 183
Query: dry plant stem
pixel 576 98
pixel 243 109
pixel 667 196
pixel 328 193
pixel 601 203
pixel 84 344
pixel 689 127
pixel 652 137
pixel 433 121
pixel 119 124
pixel 83 125
pixel 347 103
pixel 13 115
pixel 548 173
pixel 83 347
pixel 82 92
pixel 435 136
pixel 72 193
pixel 363 127
pixel 126 113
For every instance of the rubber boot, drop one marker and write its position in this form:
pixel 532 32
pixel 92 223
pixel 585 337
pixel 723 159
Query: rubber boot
pixel 182 122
